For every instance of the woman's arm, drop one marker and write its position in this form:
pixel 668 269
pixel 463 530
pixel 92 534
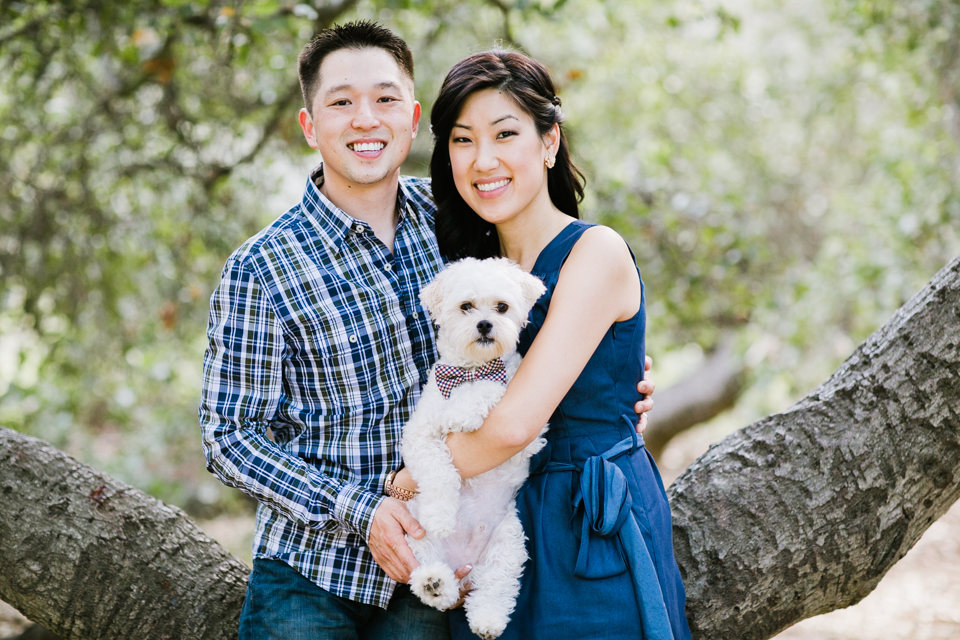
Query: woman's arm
pixel 598 286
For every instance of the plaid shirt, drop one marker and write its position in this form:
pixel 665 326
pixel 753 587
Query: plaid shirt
pixel 316 331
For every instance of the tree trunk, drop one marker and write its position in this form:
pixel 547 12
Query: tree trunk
pixel 804 512
pixel 90 557
pixel 798 514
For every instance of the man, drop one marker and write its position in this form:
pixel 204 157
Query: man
pixel 316 333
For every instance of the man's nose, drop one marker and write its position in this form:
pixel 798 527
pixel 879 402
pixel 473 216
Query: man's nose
pixel 366 117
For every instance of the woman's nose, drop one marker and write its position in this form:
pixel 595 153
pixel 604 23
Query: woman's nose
pixel 487 159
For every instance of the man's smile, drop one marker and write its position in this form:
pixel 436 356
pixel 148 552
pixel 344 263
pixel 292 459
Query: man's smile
pixel 367 148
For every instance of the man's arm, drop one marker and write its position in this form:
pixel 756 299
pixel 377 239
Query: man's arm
pixel 242 386
pixel 646 387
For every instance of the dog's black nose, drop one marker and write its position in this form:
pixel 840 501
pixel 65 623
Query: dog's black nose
pixel 484 327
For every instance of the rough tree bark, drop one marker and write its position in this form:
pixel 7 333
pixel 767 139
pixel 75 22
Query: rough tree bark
pixel 710 390
pixel 805 511
pixel 90 557
pixel 798 514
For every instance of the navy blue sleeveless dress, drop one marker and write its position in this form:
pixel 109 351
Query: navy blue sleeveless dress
pixel 594 509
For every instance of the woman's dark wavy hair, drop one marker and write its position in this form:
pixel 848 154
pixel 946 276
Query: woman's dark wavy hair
pixel 461 232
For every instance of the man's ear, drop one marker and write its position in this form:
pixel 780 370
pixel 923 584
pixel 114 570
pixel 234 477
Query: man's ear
pixel 306 123
pixel 432 297
pixel 416 118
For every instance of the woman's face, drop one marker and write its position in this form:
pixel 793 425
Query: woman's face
pixel 497 157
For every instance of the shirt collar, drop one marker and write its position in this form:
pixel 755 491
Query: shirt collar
pixel 333 222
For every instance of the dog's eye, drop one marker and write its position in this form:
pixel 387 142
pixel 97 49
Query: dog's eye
pixel 502 307
pixel 466 306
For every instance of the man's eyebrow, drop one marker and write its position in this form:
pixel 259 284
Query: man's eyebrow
pixel 347 87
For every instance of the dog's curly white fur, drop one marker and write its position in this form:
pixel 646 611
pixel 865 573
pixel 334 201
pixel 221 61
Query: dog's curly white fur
pixel 479 307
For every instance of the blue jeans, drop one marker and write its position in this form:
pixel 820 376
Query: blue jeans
pixel 283 605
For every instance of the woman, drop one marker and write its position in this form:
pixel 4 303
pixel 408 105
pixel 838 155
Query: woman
pixel 594 509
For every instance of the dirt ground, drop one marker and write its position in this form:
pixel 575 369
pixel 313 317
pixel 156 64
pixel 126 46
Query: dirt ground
pixel 919 599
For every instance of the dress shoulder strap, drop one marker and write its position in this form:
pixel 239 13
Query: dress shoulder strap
pixel 555 254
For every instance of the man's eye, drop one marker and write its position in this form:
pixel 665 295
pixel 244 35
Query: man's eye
pixel 387 99
pixel 340 103
pixel 502 307
pixel 466 306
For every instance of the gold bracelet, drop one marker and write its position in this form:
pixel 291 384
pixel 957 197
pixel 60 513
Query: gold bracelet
pixel 400 493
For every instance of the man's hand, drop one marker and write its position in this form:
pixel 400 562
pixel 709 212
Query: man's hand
pixel 646 387
pixel 387 544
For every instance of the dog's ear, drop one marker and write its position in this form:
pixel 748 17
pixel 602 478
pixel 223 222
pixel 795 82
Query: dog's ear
pixel 531 286
pixel 432 296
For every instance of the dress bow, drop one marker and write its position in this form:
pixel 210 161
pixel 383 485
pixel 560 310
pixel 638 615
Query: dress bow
pixel 450 377
pixel 611 540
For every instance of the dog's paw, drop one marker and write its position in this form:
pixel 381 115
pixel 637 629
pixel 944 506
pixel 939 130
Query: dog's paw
pixel 487 622
pixel 435 585
pixel 438 526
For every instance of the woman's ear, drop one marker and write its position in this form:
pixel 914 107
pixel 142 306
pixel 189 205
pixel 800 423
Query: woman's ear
pixel 551 140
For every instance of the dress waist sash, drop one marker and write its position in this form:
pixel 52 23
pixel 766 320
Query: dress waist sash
pixel 611 541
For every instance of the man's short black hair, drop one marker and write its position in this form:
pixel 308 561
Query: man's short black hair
pixel 362 34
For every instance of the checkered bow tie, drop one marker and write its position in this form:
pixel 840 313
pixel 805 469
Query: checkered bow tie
pixel 450 377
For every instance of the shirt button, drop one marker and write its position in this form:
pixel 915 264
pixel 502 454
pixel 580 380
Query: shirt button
pixel 415 315
pixel 358 228
pixel 388 267
pixel 353 339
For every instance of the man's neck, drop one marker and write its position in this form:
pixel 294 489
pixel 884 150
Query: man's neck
pixel 375 204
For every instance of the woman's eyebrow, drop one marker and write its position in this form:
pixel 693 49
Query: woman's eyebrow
pixel 498 120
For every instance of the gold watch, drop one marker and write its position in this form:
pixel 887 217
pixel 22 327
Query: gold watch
pixel 392 490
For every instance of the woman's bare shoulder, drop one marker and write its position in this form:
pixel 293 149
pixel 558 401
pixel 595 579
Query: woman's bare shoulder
pixel 602 248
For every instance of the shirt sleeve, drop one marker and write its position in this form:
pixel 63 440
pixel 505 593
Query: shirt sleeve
pixel 242 387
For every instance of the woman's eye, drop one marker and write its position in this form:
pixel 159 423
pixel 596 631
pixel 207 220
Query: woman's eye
pixel 502 307
pixel 505 134
pixel 460 140
pixel 466 306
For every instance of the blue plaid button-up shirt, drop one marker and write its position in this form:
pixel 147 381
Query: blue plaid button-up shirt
pixel 316 332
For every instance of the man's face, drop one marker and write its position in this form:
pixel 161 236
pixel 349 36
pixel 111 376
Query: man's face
pixel 364 118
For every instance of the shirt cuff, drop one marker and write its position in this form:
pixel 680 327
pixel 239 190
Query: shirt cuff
pixel 355 507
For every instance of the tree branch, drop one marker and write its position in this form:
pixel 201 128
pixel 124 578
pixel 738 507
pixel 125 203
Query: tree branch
pixel 709 391
pixel 507 31
pixel 89 557
pixel 804 512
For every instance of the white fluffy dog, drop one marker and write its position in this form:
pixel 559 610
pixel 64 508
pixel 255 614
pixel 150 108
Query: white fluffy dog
pixel 479 307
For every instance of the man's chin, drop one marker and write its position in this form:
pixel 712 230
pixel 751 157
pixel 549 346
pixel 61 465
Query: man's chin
pixel 371 176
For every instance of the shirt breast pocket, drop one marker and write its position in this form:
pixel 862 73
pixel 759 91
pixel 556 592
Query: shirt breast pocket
pixel 357 360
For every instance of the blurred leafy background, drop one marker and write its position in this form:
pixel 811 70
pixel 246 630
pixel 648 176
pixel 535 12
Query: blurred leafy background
pixel 785 171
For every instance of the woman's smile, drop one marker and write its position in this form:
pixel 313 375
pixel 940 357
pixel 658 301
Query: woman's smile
pixel 491 189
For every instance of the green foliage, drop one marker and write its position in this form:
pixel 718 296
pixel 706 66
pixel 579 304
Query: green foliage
pixel 784 170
